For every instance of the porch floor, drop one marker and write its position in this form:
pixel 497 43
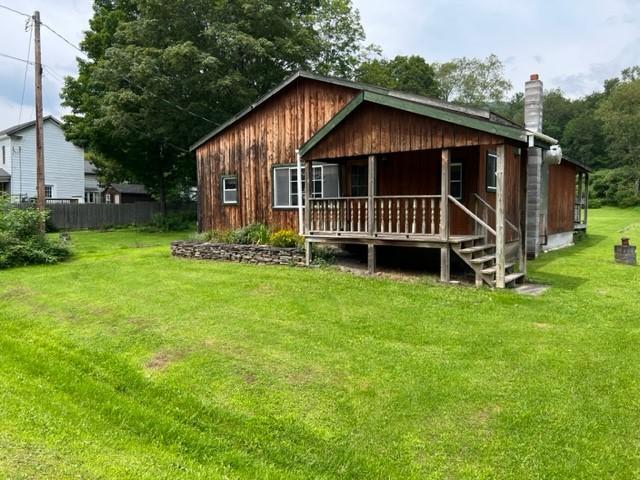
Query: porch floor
pixel 413 240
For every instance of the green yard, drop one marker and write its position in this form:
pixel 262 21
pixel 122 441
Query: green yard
pixel 127 363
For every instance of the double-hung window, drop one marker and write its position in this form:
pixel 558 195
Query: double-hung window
pixel 285 184
pixel 230 189
pixel 455 188
pixel 48 191
pixel 492 162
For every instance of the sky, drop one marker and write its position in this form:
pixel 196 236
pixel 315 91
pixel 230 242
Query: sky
pixel 573 44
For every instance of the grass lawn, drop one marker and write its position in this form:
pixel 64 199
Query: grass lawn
pixel 127 363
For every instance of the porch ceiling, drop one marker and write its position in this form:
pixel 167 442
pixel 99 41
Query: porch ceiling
pixel 405 105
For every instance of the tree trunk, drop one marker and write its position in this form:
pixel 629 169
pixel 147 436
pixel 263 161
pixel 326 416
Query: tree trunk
pixel 163 187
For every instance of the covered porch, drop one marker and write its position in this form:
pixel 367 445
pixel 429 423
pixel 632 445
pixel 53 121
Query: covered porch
pixel 442 199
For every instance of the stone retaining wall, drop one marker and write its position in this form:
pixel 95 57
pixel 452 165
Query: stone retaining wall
pixel 261 254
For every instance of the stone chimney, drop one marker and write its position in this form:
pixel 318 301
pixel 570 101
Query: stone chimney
pixel 533 100
pixel 537 171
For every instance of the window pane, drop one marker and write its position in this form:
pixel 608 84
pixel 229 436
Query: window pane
pixel 330 181
pixel 281 185
pixel 231 196
pixel 456 172
pixel 456 190
pixel 491 171
pixel 359 178
pixel 230 184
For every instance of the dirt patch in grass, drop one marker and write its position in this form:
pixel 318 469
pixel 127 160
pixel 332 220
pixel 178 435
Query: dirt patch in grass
pixel 161 360
pixel 19 292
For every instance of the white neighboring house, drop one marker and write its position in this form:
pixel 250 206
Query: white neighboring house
pixel 64 172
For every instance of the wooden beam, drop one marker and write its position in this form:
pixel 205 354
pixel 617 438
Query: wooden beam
pixel 371 193
pixel 444 194
pixel 445 251
pixel 371 225
pixel 308 252
pixel 371 258
pixel 579 202
pixel 308 185
pixel 500 217
pixel 586 197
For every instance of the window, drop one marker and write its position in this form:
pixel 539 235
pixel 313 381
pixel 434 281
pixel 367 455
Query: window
pixel 285 184
pixel 492 162
pixel 48 191
pixel 359 180
pixel 4 158
pixel 107 198
pixel 92 197
pixel 456 181
pixel 230 189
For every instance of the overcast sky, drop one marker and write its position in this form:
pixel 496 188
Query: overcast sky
pixel 573 44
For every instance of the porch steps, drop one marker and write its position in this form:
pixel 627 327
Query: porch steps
pixel 492 270
pixel 476 249
pixel 481 258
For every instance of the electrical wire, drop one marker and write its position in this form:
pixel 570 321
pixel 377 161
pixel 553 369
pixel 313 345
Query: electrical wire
pixel 24 80
pixel 133 84
pixel 15 11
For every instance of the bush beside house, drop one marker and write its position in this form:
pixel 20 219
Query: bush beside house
pixel 21 240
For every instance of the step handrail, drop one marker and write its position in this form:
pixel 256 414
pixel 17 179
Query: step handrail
pixel 488 205
pixel 472 215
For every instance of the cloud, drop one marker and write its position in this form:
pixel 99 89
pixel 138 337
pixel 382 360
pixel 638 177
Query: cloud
pixel 68 17
pixel 572 45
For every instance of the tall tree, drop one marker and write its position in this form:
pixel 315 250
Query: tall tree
pixel 620 116
pixel 410 74
pixel 161 73
pixel 473 81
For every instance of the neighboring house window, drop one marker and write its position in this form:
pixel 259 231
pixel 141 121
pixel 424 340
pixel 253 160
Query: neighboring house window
pixel 492 162
pixel 359 180
pixel 4 158
pixel 48 191
pixel 285 184
pixel 92 197
pixel 456 181
pixel 230 189
pixel 107 198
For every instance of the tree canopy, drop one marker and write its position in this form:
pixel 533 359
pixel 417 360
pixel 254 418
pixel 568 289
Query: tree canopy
pixel 410 74
pixel 161 73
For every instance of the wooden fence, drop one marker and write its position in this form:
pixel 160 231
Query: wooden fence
pixel 78 216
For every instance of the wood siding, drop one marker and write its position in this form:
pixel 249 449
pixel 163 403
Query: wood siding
pixel 562 198
pixel 376 129
pixel 251 147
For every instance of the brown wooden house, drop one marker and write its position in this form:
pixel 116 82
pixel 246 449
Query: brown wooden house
pixel 392 169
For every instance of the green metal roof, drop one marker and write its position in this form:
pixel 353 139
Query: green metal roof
pixel 430 104
pixel 451 116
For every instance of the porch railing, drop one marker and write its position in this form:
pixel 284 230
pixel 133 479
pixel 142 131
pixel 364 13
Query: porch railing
pixel 393 215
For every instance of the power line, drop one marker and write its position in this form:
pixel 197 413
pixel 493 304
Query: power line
pixel 24 80
pixel 15 11
pixel 16 58
pixel 126 79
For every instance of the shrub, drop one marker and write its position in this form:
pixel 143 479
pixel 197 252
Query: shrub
pixel 256 234
pixel 285 238
pixel 22 242
pixel 617 186
pixel 171 222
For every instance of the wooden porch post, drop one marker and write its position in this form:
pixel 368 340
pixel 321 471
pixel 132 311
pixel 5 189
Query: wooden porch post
pixel 500 217
pixel 579 202
pixel 308 176
pixel 371 224
pixel 586 197
pixel 445 251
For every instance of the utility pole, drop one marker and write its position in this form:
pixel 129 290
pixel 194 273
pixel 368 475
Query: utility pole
pixel 40 190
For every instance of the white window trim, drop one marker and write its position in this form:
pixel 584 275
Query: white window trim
pixel 292 182
pixel 486 180
pixel 53 190
pixel 225 189
pixel 451 181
